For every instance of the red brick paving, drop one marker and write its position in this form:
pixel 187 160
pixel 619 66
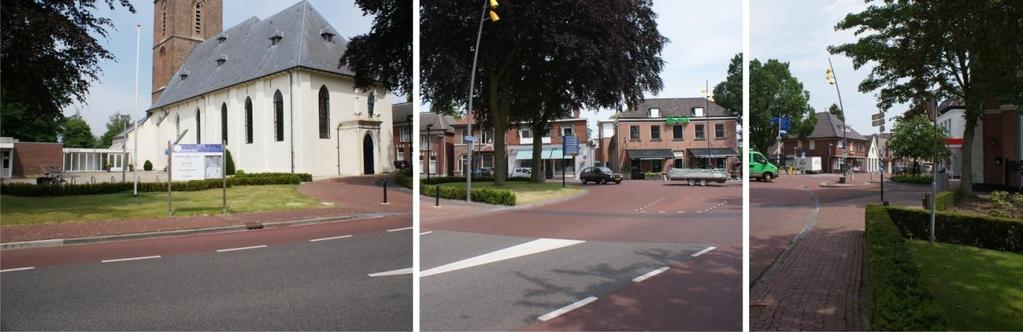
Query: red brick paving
pixel 353 194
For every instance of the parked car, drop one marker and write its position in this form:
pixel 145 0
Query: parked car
pixel 483 171
pixel 521 172
pixel 599 175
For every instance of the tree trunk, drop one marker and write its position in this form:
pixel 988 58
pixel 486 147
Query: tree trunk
pixel 973 113
pixel 499 118
pixel 539 176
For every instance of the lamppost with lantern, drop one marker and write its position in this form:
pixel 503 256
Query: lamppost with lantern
pixel 829 75
pixel 708 96
pixel 429 143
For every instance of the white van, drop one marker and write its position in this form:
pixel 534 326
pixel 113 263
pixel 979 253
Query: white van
pixel 521 172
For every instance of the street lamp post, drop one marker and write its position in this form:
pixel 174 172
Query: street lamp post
pixel 832 79
pixel 831 163
pixel 487 4
pixel 708 96
pixel 429 145
pixel 409 148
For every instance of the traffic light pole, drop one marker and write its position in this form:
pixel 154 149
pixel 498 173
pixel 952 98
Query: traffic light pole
pixel 472 87
pixel 845 125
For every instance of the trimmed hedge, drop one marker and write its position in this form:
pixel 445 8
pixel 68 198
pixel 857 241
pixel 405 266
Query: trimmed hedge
pixel 304 177
pixel 29 189
pixel 989 232
pixel 897 298
pixel 948 199
pixel 483 195
pixel 284 178
pixel 404 178
pixel 914 179
pixel 452 179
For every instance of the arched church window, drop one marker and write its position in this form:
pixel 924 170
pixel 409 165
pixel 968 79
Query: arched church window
pixel 248 120
pixel 278 116
pixel 223 122
pixel 198 128
pixel 324 112
pixel 370 102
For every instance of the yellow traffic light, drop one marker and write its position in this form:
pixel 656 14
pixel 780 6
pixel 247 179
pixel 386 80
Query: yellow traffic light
pixel 493 4
pixel 829 76
pixel 493 15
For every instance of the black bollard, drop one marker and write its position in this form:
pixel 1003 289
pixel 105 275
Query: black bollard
pixel 385 191
pixel 436 195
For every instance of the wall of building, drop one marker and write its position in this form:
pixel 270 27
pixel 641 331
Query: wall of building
pixel 29 156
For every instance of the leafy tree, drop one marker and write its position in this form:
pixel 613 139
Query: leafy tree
pixel 602 54
pixel 962 49
pixel 228 163
pixel 50 57
pixel 915 137
pixel 75 133
pixel 147 166
pixel 833 109
pixel 728 94
pixel 384 55
pixel 774 92
pixel 116 125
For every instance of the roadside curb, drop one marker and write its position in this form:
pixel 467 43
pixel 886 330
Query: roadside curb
pixel 829 184
pixel 178 232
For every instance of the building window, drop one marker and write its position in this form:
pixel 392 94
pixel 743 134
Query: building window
pixel 424 143
pixel 327 37
pixel 812 145
pixel 719 130
pixel 275 40
pixel 369 103
pixel 401 153
pixel 656 165
pixel 177 124
pixel 248 120
pixel 223 122
pixel 278 116
pixel 677 133
pixel 567 131
pixel 698 111
pixel 488 160
pixel 488 135
pixel 655 133
pixel 524 133
pixel 324 112
pixel 198 128
pixel 634 133
pixel 403 134
pixel 679 163
pixel 699 131
pixel 655 112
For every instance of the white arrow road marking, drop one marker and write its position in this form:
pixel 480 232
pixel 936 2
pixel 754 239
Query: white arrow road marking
pixel 242 248
pixel 565 309
pixel 427 232
pixel 704 251
pixel 407 270
pixel 399 229
pixel 128 259
pixel 330 238
pixel 528 248
pixel 649 274
pixel 18 269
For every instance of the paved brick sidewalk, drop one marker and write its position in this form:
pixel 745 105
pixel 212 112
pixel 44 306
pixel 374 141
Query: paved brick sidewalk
pixel 352 195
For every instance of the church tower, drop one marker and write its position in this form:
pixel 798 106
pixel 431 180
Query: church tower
pixel 178 27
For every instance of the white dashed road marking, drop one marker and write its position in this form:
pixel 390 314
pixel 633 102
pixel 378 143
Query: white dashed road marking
pixel 427 232
pixel 399 229
pixel 330 238
pixel 567 308
pixel 18 269
pixel 704 251
pixel 397 272
pixel 242 248
pixel 128 259
pixel 647 275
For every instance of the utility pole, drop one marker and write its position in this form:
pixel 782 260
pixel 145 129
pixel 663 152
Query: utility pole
pixel 832 79
pixel 487 4
pixel 135 131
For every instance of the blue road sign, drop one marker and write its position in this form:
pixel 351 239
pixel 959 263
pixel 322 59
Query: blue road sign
pixel 570 145
pixel 784 124
pixel 470 138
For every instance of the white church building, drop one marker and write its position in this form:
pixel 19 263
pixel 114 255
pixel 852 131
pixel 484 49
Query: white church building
pixel 270 89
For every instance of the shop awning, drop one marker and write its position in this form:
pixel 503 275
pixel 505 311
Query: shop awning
pixel 650 154
pixel 713 152
pixel 551 153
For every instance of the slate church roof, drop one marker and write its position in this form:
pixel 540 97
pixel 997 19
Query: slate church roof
pixel 244 52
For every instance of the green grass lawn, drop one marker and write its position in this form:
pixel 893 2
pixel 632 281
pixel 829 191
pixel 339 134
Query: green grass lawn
pixel 978 289
pixel 529 192
pixel 37 210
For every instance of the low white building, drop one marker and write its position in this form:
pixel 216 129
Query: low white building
pixel 272 91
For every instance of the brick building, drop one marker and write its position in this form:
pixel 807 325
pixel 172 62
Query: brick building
pixel 402 134
pixel 436 139
pixel 826 142
pixel 660 133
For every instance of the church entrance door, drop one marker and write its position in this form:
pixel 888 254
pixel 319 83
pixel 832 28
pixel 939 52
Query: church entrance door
pixel 367 154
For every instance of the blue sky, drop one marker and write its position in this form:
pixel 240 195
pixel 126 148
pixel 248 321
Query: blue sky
pixel 115 90
pixel 799 32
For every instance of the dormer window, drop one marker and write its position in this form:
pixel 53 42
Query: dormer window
pixel 221 39
pixel 655 112
pixel 327 35
pixel 184 74
pixel 221 60
pixel 276 38
pixel 698 111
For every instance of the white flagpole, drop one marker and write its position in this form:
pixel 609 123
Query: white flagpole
pixel 135 130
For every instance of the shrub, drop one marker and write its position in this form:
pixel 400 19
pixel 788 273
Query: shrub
pixel 239 172
pixel 303 177
pixel 1005 204
pixel 455 179
pixel 898 300
pixel 914 179
pixel 483 195
pixel 989 232
pixel 229 162
pixel 403 178
pixel 261 179
pixel 948 199
pixel 147 166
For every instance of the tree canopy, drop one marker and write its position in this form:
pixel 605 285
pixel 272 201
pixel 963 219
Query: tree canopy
pixel 836 111
pixel 554 55
pixel 50 58
pixel 774 92
pixel 75 133
pixel 915 137
pixel 728 94
pixel 967 50
pixel 117 124
pixel 384 55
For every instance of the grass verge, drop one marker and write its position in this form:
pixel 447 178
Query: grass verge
pixel 976 289
pixel 38 210
pixel 528 192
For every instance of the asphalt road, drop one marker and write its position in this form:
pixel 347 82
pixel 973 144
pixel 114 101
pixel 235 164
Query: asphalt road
pixel 637 256
pixel 275 279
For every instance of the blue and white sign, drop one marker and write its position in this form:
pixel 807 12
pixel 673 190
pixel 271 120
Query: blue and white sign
pixel 470 138
pixel 784 124
pixel 197 161
pixel 570 145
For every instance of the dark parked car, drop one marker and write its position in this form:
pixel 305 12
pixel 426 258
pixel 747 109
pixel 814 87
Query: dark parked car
pixel 483 171
pixel 599 175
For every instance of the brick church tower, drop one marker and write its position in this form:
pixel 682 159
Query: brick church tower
pixel 178 27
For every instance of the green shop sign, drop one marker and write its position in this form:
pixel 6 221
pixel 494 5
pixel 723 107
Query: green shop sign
pixel 674 120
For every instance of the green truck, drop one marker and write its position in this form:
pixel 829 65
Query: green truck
pixel 761 168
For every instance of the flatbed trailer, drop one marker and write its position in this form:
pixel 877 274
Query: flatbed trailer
pixel 698 176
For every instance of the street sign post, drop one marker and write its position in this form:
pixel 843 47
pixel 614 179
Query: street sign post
pixel 877 119
pixel 569 146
